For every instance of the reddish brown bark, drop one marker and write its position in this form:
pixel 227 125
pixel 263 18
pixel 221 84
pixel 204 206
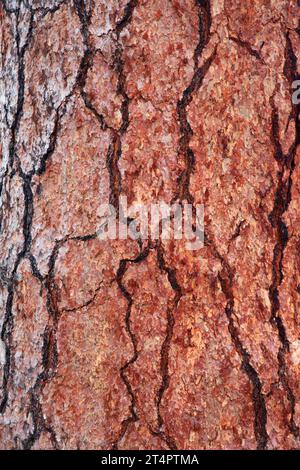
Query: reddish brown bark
pixel 119 344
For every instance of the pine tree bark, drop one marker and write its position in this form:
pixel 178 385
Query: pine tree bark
pixel 114 344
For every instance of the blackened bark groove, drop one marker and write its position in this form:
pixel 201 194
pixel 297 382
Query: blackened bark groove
pixel 286 166
pixel 226 278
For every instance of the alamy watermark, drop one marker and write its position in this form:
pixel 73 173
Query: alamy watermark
pixel 178 221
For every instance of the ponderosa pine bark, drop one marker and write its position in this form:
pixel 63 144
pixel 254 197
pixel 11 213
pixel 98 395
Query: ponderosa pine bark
pixel 114 344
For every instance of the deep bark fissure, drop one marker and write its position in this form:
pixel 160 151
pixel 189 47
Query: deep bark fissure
pixel 286 166
pixel 8 322
pixel 165 349
pixel 186 132
pixel 123 266
pixel 115 149
pixel 226 278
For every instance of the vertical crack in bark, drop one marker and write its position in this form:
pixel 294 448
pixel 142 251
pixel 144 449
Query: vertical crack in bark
pixel 286 165
pixel 84 16
pixel 164 362
pixel 259 406
pixel 186 131
pixel 205 21
pixel 123 266
pixel 113 155
pixel 165 349
pixel 183 193
pixel 21 82
pixel 49 355
pixel 85 64
pixel 7 329
pixel 49 350
pixel 226 277
pixel 35 407
pixel 115 148
pixel 8 323
pixel 112 161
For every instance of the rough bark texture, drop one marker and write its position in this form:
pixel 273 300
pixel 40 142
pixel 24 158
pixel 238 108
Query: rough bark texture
pixel 115 344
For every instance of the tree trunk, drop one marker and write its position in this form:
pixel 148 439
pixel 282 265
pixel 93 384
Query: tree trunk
pixel 143 343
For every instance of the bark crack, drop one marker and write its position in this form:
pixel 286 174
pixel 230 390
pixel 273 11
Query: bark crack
pixel 85 64
pixel 8 323
pixel 248 47
pixel 286 166
pixel 133 417
pixel 186 131
pixel 115 149
pixel 164 359
pixel 226 276
pixel 49 355
pixel 165 349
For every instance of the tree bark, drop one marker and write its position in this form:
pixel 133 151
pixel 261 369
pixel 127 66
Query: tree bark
pixel 119 344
